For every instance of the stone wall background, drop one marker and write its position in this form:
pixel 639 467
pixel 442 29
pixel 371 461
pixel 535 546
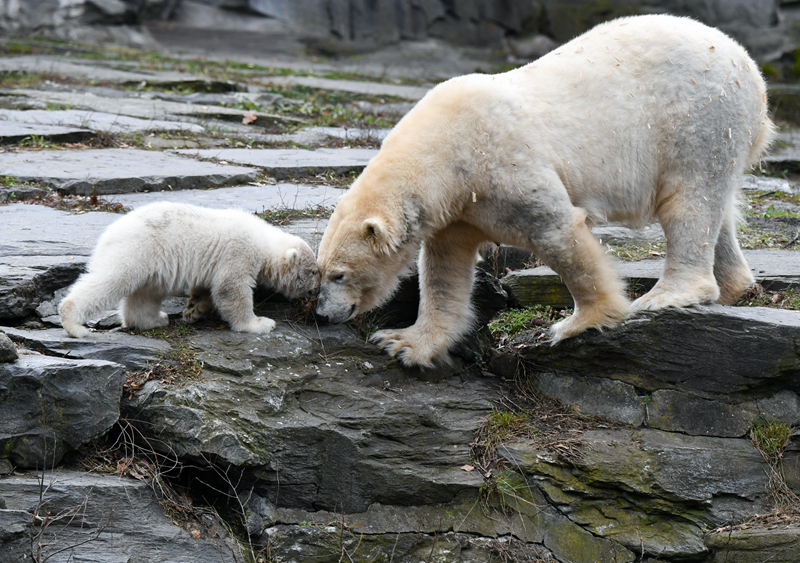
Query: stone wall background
pixel 523 28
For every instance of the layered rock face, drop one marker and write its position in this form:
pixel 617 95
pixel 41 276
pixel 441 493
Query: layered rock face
pixel 526 28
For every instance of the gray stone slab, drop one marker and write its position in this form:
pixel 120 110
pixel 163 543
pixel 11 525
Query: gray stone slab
pixel 131 350
pixel 255 198
pixel 763 183
pixel 368 88
pixel 94 120
pixel 291 163
pixel 78 399
pixel 112 171
pixel 144 108
pixel 13 131
pixel 787 157
pixel 773 269
pixel 36 233
pixel 350 134
pixel 123 513
pixel 94 71
pixel 313 136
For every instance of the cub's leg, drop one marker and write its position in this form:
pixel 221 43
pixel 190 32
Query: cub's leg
pixel 234 301
pixel 446 272
pixel 730 268
pixel 691 217
pixel 142 309
pixel 198 306
pixel 93 293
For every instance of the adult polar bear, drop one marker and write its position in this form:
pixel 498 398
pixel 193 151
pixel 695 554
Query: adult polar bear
pixel 641 117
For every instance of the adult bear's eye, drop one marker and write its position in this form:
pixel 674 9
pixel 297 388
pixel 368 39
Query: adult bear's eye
pixel 337 278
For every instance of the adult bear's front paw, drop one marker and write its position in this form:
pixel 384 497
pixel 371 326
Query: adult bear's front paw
pixel 405 345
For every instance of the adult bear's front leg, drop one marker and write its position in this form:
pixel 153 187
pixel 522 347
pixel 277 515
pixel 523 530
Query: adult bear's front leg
pixel 446 273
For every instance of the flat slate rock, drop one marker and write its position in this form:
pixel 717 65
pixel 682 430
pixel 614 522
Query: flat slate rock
pixel 774 269
pixel 94 71
pixel 93 120
pixel 701 371
pixel 356 87
pixel 292 163
pixel 113 171
pixel 143 107
pixel 37 231
pixel 713 352
pixel 767 184
pixel 133 351
pixel 321 418
pixel 13 131
pixel 255 198
pixel 788 157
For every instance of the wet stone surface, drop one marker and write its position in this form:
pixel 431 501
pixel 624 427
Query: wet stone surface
pixel 339 451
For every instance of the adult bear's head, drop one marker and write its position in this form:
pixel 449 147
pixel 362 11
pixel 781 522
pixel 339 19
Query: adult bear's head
pixel 371 239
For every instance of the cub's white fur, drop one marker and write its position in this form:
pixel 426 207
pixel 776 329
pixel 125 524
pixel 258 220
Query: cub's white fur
pixel 164 249
pixel 639 118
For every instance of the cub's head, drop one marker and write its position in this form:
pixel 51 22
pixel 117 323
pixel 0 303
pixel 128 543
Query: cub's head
pixel 298 272
pixel 367 245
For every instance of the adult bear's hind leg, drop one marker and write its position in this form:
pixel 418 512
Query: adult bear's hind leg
pixel 730 268
pixel 691 218
pixel 446 273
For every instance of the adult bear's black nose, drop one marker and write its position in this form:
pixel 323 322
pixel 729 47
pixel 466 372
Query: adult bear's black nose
pixel 321 318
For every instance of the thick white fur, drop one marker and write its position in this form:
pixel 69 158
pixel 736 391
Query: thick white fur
pixel 165 249
pixel 639 118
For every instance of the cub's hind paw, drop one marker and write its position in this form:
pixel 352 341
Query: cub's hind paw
pixel 78 331
pixel 198 306
pixel 257 325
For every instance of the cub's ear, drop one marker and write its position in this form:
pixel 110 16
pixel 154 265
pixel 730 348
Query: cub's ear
pixel 292 256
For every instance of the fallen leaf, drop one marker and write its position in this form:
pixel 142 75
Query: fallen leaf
pixel 249 117
pixel 196 534
pixel 467 467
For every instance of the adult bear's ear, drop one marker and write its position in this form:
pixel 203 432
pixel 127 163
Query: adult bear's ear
pixel 376 232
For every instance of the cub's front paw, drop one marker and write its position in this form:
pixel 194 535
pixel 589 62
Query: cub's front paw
pixel 258 325
pixel 407 346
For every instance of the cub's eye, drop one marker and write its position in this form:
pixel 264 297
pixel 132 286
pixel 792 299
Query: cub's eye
pixel 337 278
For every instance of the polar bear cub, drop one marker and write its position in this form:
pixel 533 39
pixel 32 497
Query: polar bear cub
pixel 164 249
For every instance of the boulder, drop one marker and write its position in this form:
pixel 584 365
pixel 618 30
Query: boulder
pixel 53 405
pixel 8 353
pixel 321 419
pixel 661 497
pixel 708 371
pixel 118 518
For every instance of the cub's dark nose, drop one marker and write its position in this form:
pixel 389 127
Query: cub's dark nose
pixel 313 292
